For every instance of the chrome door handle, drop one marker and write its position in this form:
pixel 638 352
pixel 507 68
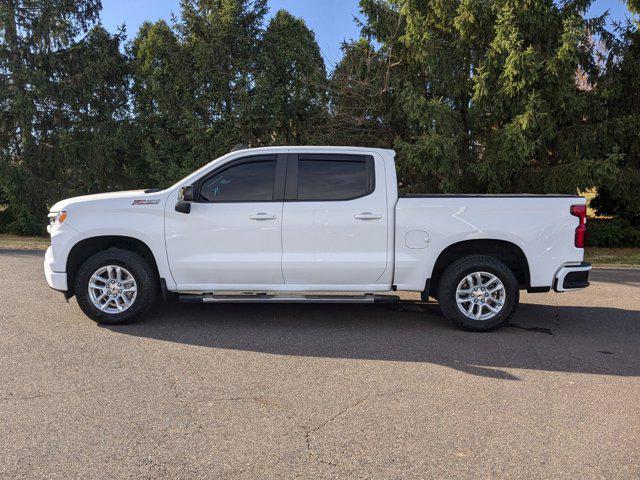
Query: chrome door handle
pixel 367 216
pixel 262 216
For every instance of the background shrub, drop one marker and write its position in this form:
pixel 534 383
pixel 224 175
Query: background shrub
pixel 612 233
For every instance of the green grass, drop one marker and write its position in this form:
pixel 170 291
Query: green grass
pixel 17 242
pixel 629 257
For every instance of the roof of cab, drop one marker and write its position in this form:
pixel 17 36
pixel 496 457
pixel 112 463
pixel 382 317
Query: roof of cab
pixel 315 148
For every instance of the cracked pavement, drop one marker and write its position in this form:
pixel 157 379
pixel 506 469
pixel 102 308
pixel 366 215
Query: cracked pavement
pixel 319 391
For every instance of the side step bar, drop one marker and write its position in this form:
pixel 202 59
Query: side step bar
pixel 268 298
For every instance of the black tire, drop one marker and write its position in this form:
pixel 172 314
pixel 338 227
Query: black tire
pixel 457 271
pixel 141 271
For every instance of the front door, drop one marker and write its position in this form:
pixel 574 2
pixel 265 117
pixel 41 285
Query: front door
pixel 232 237
pixel 335 225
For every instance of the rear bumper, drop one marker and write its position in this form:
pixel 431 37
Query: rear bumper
pixel 56 280
pixel 572 277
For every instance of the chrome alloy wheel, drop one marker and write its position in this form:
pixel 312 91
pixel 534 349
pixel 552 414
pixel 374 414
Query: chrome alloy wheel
pixel 112 289
pixel 480 296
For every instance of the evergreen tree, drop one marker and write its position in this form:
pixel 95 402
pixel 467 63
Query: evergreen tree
pixel 616 117
pixel 91 136
pixel 193 84
pixel 364 109
pixel 222 38
pixel 489 91
pixel 34 63
pixel 528 103
pixel 291 84
pixel 433 88
pixel 164 105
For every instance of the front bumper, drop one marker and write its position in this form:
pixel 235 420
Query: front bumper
pixel 572 277
pixel 56 280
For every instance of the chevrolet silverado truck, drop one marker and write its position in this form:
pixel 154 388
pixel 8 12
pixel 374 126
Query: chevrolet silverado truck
pixel 312 224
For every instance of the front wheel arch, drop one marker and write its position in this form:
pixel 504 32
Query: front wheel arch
pixel 84 249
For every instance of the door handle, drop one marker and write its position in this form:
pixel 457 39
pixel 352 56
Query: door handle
pixel 262 216
pixel 367 216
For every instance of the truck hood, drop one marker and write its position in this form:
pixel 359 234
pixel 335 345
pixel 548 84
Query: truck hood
pixel 103 197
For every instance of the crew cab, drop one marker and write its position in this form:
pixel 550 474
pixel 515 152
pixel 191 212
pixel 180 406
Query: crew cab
pixel 312 224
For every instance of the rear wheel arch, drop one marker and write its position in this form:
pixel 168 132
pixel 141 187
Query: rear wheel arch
pixel 84 249
pixel 507 252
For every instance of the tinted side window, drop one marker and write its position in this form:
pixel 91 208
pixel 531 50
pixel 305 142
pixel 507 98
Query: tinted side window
pixel 320 179
pixel 247 182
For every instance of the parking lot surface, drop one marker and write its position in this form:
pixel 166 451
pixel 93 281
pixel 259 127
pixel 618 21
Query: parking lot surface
pixel 319 391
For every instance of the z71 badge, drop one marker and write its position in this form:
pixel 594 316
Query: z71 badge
pixel 146 202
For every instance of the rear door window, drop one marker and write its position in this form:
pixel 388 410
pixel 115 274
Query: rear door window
pixel 326 179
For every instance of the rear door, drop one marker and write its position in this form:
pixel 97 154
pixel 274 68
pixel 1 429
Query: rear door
pixel 334 227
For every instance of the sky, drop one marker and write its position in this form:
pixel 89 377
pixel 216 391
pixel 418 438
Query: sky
pixel 331 20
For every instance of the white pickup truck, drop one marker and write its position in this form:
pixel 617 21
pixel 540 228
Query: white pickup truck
pixel 312 224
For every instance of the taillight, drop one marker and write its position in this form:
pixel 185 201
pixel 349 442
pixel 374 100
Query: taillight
pixel 580 211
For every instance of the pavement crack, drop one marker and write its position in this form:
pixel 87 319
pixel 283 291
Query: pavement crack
pixel 576 357
pixel 562 342
pixel 186 407
pixel 310 431
pixel 13 397
pixel 547 331
pixel 236 399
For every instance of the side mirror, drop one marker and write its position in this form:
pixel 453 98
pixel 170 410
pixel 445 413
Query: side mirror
pixel 186 194
pixel 185 197
pixel 183 207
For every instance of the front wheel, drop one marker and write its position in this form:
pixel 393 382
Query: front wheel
pixel 115 286
pixel 478 293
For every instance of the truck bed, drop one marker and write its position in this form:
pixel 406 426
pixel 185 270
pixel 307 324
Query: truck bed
pixel 541 226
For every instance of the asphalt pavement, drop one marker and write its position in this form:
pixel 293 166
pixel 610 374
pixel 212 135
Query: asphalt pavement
pixel 319 391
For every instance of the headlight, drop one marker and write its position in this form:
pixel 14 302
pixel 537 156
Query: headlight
pixel 57 218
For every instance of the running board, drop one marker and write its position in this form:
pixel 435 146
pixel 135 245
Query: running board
pixel 268 298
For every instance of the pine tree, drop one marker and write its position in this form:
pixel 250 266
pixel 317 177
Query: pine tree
pixel 163 103
pixel 96 140
pixel 222 38
pixel 193 84
pixel 528 105
pixel 34 63
pixel 489 90
pixel 616 119
pixel 364 109
pixel 290 84
pixel 475 95
pixel 434 67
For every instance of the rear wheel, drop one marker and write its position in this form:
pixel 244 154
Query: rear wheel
pixel 478 293
pixel 115 286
